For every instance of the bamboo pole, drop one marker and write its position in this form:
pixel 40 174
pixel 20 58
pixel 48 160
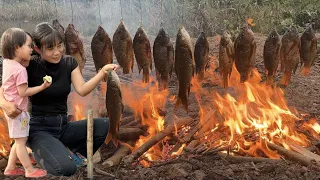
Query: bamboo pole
pixel 90 144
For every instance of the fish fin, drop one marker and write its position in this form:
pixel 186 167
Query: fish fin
pixel 139 68
pixel 182 99
pixel 229 52
pixel 253 52
pixel 305 71
pixel 285 78
pixel 225 80
pixel 146 73
pixel 115 142
pixel 269 80
pixel 108 138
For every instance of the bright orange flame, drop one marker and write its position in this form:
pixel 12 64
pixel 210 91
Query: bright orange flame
pixel 179 150
pixel 250 22
pixel 258 115
pixel 4 135
pixel 145 102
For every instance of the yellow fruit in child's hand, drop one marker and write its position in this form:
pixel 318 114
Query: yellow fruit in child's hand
pixel 47 78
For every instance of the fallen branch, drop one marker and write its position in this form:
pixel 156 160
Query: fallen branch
pixel 306 161
pixel 99 171
pixel 305 152
pixel 155 139
pixel 242 159
pixel 118 155
pixel 131 134
pixel 127 120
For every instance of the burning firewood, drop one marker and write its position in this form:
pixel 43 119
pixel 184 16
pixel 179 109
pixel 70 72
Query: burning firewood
pixel 187 138
pixel 155 139
pixel 131 133
pixel 117 157
pixel 304 160
pixel 242 159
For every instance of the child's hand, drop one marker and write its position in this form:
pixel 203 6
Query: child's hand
pixel 109 66
pixel 46 84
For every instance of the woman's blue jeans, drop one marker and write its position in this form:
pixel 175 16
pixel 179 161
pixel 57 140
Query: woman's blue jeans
pixel 50 135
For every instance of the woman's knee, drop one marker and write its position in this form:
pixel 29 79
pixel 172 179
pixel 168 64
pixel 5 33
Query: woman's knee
pixel 101 127
pixel 67 168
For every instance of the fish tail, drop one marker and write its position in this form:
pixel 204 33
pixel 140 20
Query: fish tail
pixel 286 78
pixel 164 83
pixel 201 75
pixel 305 71
pixel 225 80
pixel 126 70
pixel 108 138
pixel 115 141
pixel 243 78
pixel 146 73
pixel 182 99
pixel 269 80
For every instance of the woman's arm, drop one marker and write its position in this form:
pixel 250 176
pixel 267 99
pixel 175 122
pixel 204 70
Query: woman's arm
pixel 83 88
pixel 10 108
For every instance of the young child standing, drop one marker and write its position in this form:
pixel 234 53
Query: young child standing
pixel 16 47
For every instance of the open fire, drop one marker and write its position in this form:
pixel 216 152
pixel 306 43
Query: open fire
pixel 243 121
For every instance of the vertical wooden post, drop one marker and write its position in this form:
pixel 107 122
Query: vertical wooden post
pixel 90 144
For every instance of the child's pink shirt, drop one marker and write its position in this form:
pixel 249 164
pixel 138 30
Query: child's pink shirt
pixel 13 75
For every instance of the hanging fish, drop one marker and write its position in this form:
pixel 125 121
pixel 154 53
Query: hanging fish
pixel 101 48
pixel 114 106
pixel 308 51
pixel 201 55
pixel 245 52
pixel 163 55
pixel 289 54
pixel 122 47
pixel 184 66
pixel 226 58
pixel 271 55
pixel 74 45
pixel 142 51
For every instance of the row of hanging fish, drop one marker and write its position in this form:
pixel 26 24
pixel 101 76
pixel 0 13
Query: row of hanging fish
pixel 184 59
pixel 288 51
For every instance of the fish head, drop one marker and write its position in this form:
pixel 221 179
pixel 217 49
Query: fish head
pixel 225 38
pixel 274 36
pixel 113 78
pixel 309 32
pixel 162 37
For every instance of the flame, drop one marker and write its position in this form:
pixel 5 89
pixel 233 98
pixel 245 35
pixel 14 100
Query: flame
pixel 4 136
pixel 179 150
pixel 255 115
pixel 250 22
pixel 146 102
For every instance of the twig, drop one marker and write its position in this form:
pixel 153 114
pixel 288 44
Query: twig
pixel 154 140
pixel 241 159
pixel 99 171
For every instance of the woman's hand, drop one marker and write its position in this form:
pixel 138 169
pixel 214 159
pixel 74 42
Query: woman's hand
pixel 108 67
pixel 11 110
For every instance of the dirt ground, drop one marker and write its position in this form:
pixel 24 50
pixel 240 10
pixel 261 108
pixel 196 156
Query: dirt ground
pixel 303 93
